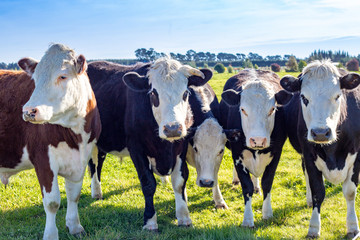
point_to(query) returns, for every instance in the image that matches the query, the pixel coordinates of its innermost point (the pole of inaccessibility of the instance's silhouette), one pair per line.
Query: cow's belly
(69, 163)
(123, 153)
(257, 165)
(336, 176)
(24, 164)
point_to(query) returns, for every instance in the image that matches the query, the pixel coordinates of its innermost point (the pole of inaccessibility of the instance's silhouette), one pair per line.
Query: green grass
(120, 214)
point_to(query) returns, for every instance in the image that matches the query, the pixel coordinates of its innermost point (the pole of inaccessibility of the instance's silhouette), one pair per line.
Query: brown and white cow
(63, 105)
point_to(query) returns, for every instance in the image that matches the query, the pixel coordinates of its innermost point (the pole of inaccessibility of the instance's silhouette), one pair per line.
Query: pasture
(120, 214)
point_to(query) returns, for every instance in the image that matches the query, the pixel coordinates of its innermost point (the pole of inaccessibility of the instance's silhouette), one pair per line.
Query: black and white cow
(255, 98)
(322, 122)
(207, 140)
(145, 110)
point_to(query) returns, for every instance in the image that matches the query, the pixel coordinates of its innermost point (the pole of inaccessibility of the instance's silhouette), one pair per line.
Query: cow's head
(208, 145)
(257, 102)
(62, 87)
(167, 83)
(323, 102)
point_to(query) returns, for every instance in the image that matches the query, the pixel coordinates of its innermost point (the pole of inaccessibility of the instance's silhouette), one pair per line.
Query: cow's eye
(337, 97)
(304, 99)
(185, 95)
(154, 98)
(195, 149)
(244, 112)
(221, 151)
(271, 111)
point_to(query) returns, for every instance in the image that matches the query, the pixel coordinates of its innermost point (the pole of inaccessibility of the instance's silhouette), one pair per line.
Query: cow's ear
(283, 97)
(196, 80)
(136, 82)
(232, 135)
(28, 65)
(231, 97)
(290, 83)
(80, 64)
(350, 81)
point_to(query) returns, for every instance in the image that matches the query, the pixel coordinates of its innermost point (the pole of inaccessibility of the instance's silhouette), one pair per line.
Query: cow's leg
(349, 191)
(164, 179)
(73, 190)
(95, 166)
(308, 191)
(179, 177)
(248, 190)
(51, 198)
(148, 185)
(236, 180)
(318, 194)
(256, 184)
(218, 198)
(266, 184)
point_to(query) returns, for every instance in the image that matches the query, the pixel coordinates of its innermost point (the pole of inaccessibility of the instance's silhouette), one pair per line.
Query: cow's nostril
(313, 134)
(328, 133)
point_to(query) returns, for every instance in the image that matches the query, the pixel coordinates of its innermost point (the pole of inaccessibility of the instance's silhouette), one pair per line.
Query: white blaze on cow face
(322, 100)
(62, 88)
(209, 144)
(169, 96)
(257, 109)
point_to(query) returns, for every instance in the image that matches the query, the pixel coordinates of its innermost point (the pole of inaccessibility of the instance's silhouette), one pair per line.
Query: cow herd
(61, 115)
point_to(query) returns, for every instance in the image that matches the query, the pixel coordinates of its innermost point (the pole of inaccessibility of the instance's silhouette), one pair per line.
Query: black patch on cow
(154, 98)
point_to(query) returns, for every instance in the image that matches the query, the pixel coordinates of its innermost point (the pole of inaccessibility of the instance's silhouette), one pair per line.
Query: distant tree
(200, 56)
(241, 56)
(301, 65)
(173, 56)
(352, 65)
(292, 65)
(275, 67)
(230, 69)
(273, 58)
(256, 66)
(192, 64)
(210, 57)
(248, 64)
(219, 67)
(190, 55)
(286, 57)
(340, 65)
(206, 65)
(180, 57)
(254, 57)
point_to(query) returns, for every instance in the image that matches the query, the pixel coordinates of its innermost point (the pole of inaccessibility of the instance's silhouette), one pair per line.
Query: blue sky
(116, 28)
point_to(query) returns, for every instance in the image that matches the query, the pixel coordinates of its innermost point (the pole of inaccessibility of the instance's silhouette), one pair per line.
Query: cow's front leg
(148, 186)
(349, 191)
(266, 184)
(236, 180)
(218, 198)
(179, 177)
(73, 191)
(51, 198)
(248, 190)
(318, 194)
(95, 166)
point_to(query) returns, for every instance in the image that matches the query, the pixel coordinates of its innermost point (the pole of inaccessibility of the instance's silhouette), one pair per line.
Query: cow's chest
(336, 175)
(255, 163)
(159, 167)
(70, 163)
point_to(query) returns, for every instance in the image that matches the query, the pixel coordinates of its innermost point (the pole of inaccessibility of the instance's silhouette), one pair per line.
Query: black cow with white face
(145, 113)
(252, 102)
(323, 126)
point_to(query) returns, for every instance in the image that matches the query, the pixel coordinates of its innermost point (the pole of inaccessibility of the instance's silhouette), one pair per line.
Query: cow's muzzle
(206, 183)
(29, 114)
(173, 130)
(321, 135)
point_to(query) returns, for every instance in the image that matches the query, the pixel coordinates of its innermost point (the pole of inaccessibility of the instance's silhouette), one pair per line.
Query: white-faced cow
(207, 140)
(145, 110)
(60, 129)
(255, 98)
(322, 122)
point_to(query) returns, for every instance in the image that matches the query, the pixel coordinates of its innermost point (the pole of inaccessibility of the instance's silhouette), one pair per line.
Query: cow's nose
(321, 134)
(258, 142)
(206, 183)
(29, 113)
(172, 130)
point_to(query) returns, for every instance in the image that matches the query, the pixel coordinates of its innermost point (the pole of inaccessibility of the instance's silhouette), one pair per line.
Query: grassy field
(120, 214)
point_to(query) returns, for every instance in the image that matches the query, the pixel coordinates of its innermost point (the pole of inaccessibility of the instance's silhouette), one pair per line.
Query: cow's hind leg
(95, 166)
(73, 190)
(349, 191)
(179, 177)
(236, 180)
